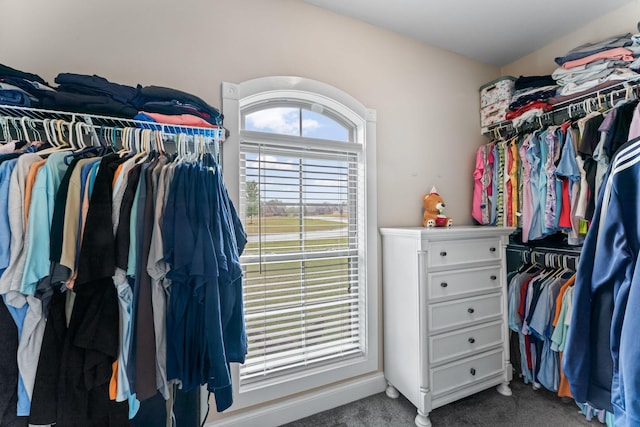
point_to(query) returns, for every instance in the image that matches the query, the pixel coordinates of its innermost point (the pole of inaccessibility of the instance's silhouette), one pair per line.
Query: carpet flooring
(526, 408)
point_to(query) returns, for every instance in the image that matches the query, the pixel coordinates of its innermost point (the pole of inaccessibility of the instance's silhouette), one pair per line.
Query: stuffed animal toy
(434, 211)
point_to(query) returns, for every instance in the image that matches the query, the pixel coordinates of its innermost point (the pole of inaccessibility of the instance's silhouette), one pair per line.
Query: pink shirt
(476, 209)
(180, 119)
(617, 53)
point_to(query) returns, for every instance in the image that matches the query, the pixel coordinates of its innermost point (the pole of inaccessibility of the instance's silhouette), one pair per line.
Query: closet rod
(533, 252)
(16, 113)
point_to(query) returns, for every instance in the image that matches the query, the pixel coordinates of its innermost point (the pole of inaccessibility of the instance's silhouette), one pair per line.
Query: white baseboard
(299, 407)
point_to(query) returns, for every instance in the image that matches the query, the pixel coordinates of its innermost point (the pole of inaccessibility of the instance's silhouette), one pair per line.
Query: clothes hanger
(114, 137)
(57, 137)
(4, 128)
(143, 150)
(125, 150)
(23, 125)
(61, 140)
(158, 140)
(82, 129)
(79, 137)
(17, 129)
(32, 126)
(48, 137)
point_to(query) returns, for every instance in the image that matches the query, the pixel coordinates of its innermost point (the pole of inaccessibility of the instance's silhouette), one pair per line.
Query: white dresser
(445, 319)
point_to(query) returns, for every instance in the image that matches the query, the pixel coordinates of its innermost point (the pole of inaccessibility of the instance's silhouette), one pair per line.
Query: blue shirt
(18, 314)
(43, 195)
(6, 168)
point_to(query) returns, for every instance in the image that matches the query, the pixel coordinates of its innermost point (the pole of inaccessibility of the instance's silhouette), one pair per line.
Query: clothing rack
(542, 255)
(31, 121)
(597, 100)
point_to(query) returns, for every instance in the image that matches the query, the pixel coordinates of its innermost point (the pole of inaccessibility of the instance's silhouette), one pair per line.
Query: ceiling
(492, 31)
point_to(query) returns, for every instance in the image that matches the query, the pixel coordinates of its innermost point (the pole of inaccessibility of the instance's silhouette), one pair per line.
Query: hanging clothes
(557, 177)
(108, 266)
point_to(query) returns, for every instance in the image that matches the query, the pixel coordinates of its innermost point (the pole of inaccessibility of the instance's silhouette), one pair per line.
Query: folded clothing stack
(21, 89)
(80, 93)
(595, 66)
(162, 100)
(530, 98)
(96, 95)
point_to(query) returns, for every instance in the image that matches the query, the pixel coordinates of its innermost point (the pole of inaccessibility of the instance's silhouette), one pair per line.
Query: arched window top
(297, 119)
(297, 107)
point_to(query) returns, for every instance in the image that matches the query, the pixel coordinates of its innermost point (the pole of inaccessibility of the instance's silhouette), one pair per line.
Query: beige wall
(426, 98)
(540, 62)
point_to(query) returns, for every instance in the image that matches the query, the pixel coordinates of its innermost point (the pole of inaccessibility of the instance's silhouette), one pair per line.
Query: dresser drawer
(460, 282)
(460, 374)
(465, 342)
(463, 251)
(458, 313)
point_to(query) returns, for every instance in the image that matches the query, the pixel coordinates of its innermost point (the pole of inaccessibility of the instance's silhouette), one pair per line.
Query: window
(304, 198)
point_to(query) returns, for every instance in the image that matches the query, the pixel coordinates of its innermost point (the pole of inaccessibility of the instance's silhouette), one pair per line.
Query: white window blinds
(303, 208)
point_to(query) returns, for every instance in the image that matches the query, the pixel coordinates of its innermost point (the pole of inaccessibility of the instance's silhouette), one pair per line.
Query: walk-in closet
(319, 213)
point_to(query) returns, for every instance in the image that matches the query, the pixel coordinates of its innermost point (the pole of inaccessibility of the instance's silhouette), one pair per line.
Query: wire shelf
(98, 121)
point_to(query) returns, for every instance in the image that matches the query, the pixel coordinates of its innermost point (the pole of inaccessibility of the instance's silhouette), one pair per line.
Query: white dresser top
(448, 233)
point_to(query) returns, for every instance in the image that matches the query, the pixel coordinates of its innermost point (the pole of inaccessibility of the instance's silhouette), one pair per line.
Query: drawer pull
(470, 310)
(494, 277)
(473, 371)
(443, 253)
(472, 340)
(492, 249)
(444, 284)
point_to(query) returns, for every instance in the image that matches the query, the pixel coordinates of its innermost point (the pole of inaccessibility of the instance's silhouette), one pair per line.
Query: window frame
(244, 98)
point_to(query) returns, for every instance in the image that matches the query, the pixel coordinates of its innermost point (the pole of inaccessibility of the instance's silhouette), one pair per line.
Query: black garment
(590, 169)
(524, 82)
(57, 220)
(619, 131)
(97, 253)
(591, 135)
(542, 95)
(12, 72)
(143, 336)
(75, 366)
(152, 412)
(96, 305)
(95, 85)
(89, 350)
(44, 402)
(90, 104)
(588, 144)
(156, 93)
(9, 370)
(122, 233)
(599, 391)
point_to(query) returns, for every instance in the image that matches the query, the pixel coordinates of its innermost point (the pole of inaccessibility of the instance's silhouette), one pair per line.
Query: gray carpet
(526, 408)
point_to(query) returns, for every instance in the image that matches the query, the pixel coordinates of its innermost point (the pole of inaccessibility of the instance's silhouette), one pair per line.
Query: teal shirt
(37, 264)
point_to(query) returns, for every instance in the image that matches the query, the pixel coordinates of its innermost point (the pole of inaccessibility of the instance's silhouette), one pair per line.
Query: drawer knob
(494, 277)
(443, 253)
(473, 371)
(444, 284)
(472, 340)
(470, 310)
(492, 249)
